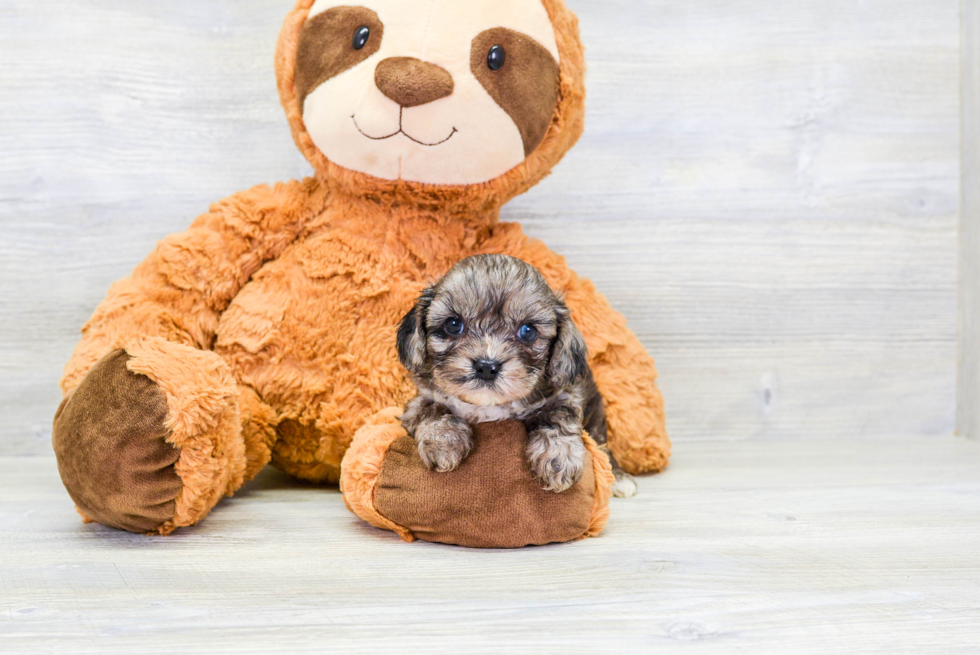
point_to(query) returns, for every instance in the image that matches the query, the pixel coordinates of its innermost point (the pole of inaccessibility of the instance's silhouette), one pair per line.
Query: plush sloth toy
(266, 332)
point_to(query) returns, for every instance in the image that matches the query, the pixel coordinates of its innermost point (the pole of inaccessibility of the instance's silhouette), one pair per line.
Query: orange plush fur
(270, 323)
(364, 461)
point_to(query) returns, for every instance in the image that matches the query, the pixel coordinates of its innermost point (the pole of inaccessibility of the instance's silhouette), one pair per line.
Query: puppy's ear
(569, 354)
(412, 334)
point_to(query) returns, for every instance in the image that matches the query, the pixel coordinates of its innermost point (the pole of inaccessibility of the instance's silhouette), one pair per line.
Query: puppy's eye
(453, 326)
(496, 58)
(527, 333)
(361, 37)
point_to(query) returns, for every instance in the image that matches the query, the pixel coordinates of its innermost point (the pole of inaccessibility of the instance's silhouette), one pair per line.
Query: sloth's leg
(153, 437)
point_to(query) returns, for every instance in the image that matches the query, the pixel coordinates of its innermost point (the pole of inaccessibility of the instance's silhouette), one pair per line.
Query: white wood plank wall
(768, 190)
(968, 409)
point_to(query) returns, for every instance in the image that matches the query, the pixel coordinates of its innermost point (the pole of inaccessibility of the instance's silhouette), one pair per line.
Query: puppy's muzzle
(486, 369)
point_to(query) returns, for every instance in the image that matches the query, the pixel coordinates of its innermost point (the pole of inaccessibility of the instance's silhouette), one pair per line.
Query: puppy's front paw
(444, 442)
(624, 486)
(557, 460)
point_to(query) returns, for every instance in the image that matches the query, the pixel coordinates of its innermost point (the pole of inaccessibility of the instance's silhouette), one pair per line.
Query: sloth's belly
(314, 334)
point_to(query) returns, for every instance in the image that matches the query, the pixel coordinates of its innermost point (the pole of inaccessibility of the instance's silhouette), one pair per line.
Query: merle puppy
(491, 341)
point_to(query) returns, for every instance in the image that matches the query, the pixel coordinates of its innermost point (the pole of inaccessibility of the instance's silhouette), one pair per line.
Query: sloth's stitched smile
(408, 136)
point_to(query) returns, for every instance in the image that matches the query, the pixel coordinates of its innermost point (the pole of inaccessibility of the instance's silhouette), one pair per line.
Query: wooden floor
(741, 547)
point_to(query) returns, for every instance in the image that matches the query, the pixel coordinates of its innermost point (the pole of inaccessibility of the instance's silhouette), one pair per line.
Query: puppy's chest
(519, 410)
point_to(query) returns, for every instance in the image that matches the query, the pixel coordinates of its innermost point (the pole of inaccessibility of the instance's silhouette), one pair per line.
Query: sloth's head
(433, 93)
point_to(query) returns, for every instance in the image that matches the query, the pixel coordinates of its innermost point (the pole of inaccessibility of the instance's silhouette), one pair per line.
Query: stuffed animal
(493, 499)
(265, 332)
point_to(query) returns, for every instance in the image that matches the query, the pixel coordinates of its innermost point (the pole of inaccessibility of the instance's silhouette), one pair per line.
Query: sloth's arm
(179, 292)
(624, 372)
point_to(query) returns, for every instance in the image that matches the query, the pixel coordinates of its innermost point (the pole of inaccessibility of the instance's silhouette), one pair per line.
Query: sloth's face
(436, 91)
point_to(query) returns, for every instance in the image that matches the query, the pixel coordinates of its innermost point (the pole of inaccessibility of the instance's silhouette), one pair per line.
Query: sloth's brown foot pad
(110, 440)
(492, 500)
(151, 439)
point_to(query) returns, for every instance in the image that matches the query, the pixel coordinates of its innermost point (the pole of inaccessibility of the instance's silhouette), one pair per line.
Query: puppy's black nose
(486, 369)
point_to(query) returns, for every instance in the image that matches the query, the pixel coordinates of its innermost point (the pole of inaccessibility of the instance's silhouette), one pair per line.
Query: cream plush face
(409, 90)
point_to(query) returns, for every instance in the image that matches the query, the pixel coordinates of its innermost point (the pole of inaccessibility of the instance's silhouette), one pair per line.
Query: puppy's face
(491, 332)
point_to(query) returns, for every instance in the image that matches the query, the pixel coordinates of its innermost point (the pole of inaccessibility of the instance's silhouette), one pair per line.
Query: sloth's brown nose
(412, 82)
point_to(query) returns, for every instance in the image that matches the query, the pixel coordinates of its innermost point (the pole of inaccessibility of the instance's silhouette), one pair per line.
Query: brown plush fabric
(363, 464)
(110, 440)
(325, 46)
(491, 501)
(527, 85)
(412, 82)
(204, 422)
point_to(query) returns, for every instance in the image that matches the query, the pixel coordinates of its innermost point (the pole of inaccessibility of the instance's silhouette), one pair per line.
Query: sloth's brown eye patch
(521, 76)
(332, 42)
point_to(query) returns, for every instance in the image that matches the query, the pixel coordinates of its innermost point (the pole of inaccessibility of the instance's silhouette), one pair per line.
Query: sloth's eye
(361, 37)
(527, 333)
(453, 326)
(497, 58)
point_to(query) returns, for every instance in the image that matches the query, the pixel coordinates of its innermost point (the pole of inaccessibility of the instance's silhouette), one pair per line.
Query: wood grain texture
(864, 546)
(767, 190)
(968, 407)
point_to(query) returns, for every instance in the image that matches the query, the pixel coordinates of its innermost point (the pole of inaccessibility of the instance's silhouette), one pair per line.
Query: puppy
(491, 341)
